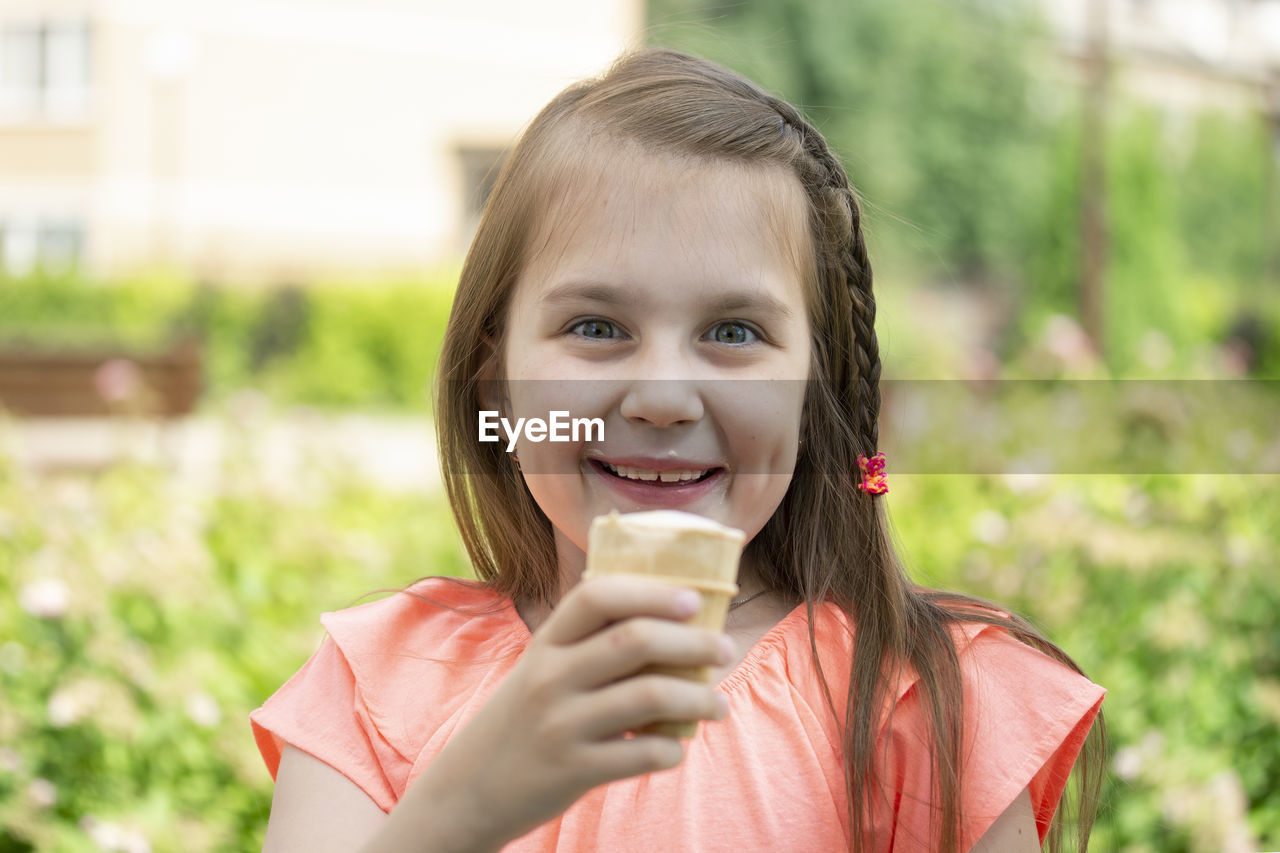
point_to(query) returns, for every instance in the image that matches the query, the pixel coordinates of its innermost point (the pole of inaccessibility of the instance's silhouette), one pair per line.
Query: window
(480, 168)
(18, 246)
(44, 70)
(59, 245)
(55, 245)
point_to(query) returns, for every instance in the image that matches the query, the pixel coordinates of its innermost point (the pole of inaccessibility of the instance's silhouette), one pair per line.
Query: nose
(662, 402)
(664, 391)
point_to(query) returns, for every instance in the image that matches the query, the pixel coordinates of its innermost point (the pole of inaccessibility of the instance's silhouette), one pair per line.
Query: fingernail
(726, 649)
(688, 602)
(722, 704)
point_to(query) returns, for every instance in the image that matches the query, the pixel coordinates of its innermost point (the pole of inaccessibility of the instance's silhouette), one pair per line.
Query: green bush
(143, 621)
(1184, 256)
(64, 309)
(1162, 589)
(330, 345)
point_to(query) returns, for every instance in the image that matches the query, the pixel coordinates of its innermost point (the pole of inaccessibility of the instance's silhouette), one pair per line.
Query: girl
(687, 250)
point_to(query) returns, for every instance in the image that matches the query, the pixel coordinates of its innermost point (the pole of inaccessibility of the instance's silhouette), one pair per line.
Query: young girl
(676, 253)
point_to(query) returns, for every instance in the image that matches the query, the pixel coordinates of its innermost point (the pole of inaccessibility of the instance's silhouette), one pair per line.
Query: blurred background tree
(963, 134)
(932, 105)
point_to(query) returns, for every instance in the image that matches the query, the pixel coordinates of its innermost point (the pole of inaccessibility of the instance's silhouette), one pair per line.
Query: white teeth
(648, 475)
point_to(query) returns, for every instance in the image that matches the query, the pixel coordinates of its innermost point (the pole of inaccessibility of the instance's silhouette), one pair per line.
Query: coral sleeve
(321, 711)
(1026, 717)
(391, 682)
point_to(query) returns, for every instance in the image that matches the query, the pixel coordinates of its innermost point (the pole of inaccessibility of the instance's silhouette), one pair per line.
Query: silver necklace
(745, 599)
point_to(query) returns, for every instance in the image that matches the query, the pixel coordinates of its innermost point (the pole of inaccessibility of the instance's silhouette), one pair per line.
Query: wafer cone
(677, 548)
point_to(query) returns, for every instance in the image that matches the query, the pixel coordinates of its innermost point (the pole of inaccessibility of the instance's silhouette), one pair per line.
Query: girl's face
(667, 300)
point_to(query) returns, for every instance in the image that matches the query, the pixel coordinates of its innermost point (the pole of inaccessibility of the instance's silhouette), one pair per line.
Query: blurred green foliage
(143, 620)
(928, 104)
(960, 127)
(1162, 589)
(330, 344)
(1184, 209)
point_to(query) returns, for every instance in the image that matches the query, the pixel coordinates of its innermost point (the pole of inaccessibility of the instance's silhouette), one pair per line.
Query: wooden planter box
(43, 382)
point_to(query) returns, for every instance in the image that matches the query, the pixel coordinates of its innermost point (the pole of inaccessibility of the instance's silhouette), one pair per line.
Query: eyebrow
(591, 291)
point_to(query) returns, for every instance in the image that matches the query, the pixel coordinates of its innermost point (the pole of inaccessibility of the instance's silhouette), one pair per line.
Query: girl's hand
(554, 728)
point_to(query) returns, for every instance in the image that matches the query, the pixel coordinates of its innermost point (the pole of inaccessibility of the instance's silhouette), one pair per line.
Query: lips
(650, 475)
(667, 486)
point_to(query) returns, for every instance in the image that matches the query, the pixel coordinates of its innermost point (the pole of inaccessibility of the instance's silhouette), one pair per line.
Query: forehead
(710, 217)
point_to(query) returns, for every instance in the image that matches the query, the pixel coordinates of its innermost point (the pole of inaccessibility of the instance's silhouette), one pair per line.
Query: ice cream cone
(677, 548)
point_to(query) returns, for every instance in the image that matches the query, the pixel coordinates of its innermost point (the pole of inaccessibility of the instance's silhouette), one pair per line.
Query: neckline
(740, 673)
(768, 641)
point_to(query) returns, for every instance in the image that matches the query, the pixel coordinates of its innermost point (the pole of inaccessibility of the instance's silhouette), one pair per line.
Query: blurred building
(1183, 55)
(272, 139)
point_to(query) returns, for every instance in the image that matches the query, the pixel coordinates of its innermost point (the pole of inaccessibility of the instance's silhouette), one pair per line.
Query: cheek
(550, 491)
(763, 427)
(526, 398)
(560, 496)
(575, 404)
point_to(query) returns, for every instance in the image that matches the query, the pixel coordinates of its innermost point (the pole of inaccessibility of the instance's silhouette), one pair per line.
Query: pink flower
(42, 793)
(1064, 338)
(45, 598)
(117, 380)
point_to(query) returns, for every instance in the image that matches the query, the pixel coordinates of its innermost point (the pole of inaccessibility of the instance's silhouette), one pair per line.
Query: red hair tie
(873, 480)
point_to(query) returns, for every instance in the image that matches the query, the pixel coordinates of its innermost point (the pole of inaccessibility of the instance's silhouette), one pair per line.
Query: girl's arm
(552, 731)
(1014, 831)
(316, 808)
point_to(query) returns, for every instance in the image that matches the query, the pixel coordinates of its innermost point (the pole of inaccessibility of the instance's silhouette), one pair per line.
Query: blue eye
(595, 329)
(732, 332)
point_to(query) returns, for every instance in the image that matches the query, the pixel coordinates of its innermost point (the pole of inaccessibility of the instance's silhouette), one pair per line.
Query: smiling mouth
(656, 478)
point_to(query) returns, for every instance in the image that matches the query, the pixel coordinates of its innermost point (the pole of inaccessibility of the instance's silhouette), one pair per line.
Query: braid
(844, 253)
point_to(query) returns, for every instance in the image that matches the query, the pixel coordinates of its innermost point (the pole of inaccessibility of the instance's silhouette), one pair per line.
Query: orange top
(396, 678)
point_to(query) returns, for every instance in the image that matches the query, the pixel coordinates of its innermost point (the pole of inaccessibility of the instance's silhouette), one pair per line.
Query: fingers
(634, 703)
(626, 647)
(595, 603)
(620, 757)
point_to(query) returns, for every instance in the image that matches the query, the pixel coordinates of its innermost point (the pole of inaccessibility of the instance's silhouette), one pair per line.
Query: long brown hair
(827, 541)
